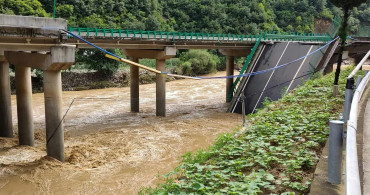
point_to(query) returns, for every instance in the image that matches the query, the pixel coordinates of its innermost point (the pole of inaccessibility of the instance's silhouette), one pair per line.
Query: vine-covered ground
(276, 154)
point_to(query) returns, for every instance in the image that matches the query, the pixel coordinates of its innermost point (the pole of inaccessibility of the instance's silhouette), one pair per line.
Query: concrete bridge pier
(53, 114)
(229, 71)
(134, 86)
(230, 61)
(24, 105)
(160, 81)
(6, 124)
(160, 56)
(59, 58)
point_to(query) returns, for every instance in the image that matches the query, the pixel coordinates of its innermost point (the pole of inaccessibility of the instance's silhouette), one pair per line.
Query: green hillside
(211, 16)
(216, 16)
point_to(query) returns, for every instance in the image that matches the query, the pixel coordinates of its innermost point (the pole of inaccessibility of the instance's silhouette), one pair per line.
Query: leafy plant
(197, 62)
(276, 154)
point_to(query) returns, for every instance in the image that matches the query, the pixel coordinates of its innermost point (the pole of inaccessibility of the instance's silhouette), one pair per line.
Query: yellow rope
(133, 63)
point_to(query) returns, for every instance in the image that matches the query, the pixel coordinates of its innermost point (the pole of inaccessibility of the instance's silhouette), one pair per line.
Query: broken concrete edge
(30, 26)
(32, 22)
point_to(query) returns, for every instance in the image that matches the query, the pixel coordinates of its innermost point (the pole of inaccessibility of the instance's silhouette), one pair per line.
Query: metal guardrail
(133, 34)
(352, 181)
(267, 35)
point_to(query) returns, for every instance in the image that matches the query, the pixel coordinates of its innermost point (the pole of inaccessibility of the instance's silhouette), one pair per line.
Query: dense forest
(216, 16)
(212, 16)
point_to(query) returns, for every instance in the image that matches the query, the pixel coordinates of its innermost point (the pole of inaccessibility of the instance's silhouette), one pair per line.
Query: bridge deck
(257, 88)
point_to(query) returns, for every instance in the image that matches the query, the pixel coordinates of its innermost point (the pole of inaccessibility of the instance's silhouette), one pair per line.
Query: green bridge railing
(134, 34)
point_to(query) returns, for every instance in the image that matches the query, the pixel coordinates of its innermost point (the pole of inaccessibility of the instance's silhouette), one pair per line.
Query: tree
(96, 60)
(252, 28)
(289, 28)
(152, 23)
(347, 6)
(64, 11)
(22, 7)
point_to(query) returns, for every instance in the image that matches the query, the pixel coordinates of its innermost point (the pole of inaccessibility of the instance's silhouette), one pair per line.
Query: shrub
(186, 68)
(200, 62)
(222, 65)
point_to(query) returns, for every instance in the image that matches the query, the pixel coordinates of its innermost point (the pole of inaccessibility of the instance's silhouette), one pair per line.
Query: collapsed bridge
(41, 43)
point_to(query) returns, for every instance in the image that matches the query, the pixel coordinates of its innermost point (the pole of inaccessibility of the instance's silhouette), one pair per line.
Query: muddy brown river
(110, 150)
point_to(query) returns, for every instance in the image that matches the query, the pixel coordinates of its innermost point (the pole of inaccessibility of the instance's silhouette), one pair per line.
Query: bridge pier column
(53, 114)
(134, 86)
(230, 60)
(160, 55)
(229, 71)
(6, 123)
(59, 58)
(160, 88)
(24, 105)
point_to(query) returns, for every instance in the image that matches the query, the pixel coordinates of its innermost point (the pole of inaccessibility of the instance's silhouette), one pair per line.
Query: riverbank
(276, 154)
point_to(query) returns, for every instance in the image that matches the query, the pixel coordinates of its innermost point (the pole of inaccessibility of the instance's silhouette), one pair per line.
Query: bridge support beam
(230, 61)
(160, 56)
(229, 71)
(134, 86)
(160, 88)
(6, 124)
(24, 105)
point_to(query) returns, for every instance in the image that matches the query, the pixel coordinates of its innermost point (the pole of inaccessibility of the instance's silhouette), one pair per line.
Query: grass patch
(277, 154)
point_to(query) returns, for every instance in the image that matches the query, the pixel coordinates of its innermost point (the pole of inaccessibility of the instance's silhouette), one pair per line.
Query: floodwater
(110, 150)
